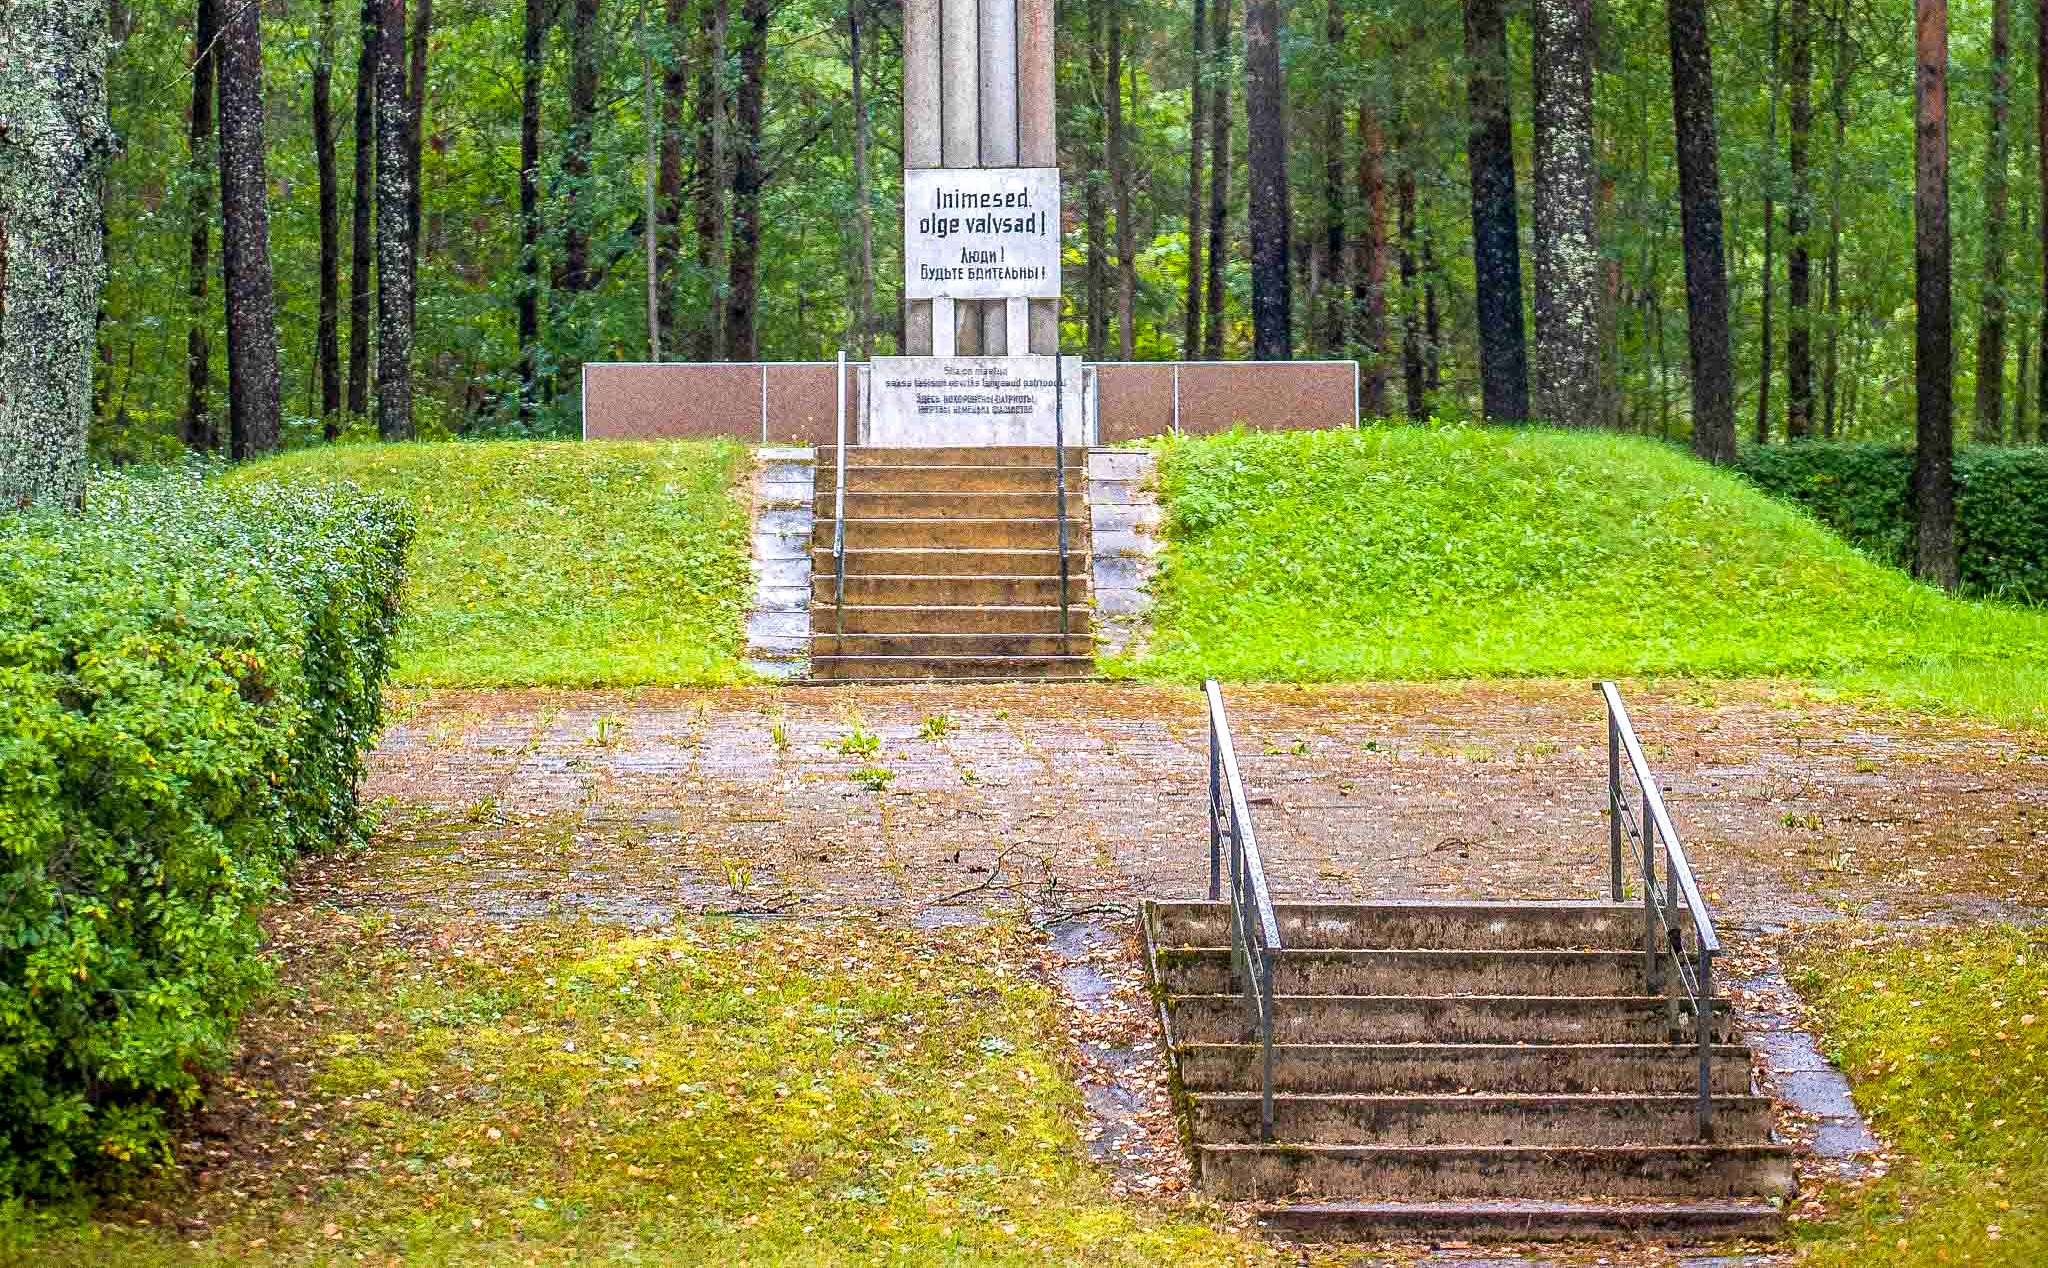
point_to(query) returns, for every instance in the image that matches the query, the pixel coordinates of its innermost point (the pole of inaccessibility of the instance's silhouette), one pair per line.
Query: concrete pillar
(960, 86)
(921, 132)
(1037, 140)
(1045, 326)
(999, 83)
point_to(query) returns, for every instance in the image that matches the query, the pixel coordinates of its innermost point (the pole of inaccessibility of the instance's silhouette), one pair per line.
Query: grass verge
(1452, 551)
(1945, 1039)
(565, 565)
(720, 1092)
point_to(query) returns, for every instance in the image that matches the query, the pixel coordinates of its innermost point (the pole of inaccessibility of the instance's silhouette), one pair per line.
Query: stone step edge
(1368, 1153)
(1185, 950)
(1204, 905)
(1465, 1099)
(1513, 1219)
(1207, 997)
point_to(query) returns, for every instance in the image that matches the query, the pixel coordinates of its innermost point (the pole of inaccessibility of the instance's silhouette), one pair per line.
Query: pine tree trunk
(416, 132)
(394, 205)
(1416, 402)
(1798, 224)
(2041, 175)
(1198, 106)
(1336, 309)
(1830, 423)
(531, 70)
(1369, 269)
(1219, 180)
(709, 160)
(863, 209)
(1766, 347)
(1934, 359)
(255, 400)
(1120, 186)
(1095, 215)
(1706, 268)
(362, 200)
(1989, 425)
(1432, 321)
(576, 273)
(200, 430)
(650, 213)
(54, 143)
(1496, 235)
(328, 337)
(1272, 237)
(743, 299)
(668, 240)
(1567, 371)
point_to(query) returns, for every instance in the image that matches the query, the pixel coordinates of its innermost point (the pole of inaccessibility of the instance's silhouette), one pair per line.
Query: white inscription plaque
(973, 401)
(981, 232)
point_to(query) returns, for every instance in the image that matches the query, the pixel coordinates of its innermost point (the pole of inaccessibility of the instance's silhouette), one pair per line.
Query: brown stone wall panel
(672, 401)
(802, 407)
(1133, 400)
(1266, 396)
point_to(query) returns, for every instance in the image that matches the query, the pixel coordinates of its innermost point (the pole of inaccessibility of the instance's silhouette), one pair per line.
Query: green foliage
(576, 565)
(1945, 1038)
(188, 679)
(1396, 552)
(1865, 493)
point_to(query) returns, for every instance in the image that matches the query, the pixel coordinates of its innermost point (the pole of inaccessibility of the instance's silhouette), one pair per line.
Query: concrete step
(1323, 971)
(916, 591)
(899, 505)
(1526, 1220)
(1005, 668)
(950, 478)
(1441, 1068)
(1514, 1119)
(925, 618)
(1443, 926)
(954, 532)
(952, 455)
(952, 563)
(1411, 1173)
(1504, 1019)
(823, 644)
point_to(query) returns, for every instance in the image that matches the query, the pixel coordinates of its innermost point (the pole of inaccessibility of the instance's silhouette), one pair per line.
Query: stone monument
(981, 238)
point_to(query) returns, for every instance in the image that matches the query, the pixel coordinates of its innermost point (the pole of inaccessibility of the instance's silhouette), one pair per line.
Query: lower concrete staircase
(952, 566)
(1475, 1070)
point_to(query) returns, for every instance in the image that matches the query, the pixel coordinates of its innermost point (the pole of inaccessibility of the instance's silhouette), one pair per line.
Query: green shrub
(1865, 493)
(188, 679)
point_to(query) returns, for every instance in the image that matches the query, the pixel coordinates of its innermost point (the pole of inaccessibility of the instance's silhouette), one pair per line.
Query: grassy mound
(1945, 1036)
(1407, 553)
(573, 565)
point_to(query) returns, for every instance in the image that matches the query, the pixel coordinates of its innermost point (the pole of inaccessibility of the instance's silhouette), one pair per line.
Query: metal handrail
(1254, 932)
(839, 513)
(1059, 479)
(1646, 831)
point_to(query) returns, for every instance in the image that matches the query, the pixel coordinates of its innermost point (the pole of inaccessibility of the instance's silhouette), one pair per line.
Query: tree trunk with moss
(394, 211)
(54, 141)
(1567, 378)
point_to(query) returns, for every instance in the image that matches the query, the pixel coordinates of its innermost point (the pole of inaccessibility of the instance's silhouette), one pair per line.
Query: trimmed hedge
(1864, 492)
(189, 676)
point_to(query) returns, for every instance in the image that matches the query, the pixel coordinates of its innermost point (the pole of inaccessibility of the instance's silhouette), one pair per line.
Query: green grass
(1452, 551)
(1945, 1038)
(720, 1092)
(591, 564)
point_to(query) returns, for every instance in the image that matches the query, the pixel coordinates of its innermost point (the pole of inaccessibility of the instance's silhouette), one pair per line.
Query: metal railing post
(1266, 1043)
(1706, 1040)
(1215, 826)
(1652, 957)
(839, 514)
(1059, 475)
(1616, 887)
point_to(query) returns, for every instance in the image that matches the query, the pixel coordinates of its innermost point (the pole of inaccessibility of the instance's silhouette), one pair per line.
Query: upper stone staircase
(952, 561)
